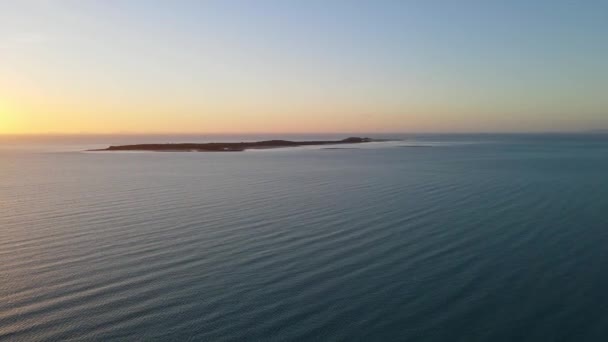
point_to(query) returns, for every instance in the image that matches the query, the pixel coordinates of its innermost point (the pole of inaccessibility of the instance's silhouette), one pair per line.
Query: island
(230, 146)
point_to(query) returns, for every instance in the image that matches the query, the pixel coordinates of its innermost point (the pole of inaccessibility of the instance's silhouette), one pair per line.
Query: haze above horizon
(301, 67)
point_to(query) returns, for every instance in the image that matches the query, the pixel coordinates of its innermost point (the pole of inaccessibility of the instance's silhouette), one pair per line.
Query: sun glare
(7, 121)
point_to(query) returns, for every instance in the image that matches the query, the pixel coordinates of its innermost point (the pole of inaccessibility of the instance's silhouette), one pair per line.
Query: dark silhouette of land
(231, 147)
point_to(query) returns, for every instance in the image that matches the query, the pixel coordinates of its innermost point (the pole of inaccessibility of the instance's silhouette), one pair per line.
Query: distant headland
(232, 146)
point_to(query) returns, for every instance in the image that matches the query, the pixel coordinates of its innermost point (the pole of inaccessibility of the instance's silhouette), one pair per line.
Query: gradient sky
(302, 66)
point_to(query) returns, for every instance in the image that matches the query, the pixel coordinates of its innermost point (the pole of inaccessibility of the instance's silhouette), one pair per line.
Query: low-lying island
(230, 147)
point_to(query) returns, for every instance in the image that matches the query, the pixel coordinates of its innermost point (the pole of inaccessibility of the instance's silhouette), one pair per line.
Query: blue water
(468, 238)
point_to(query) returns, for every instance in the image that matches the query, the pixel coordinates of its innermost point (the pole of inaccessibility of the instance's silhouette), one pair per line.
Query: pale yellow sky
(209, 67)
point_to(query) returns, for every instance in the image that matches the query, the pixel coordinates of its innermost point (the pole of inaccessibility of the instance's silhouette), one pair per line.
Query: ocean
(433, 238)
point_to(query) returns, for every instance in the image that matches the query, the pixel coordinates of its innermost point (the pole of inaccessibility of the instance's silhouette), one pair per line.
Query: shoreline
(230, 146)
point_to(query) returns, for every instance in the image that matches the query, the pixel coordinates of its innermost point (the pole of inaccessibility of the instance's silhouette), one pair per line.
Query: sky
(252, 66)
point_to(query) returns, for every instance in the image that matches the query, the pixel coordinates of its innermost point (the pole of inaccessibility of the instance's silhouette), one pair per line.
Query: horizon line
(51, 134)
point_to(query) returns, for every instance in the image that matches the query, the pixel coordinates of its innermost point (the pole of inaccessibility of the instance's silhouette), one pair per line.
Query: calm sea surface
(463, 238)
